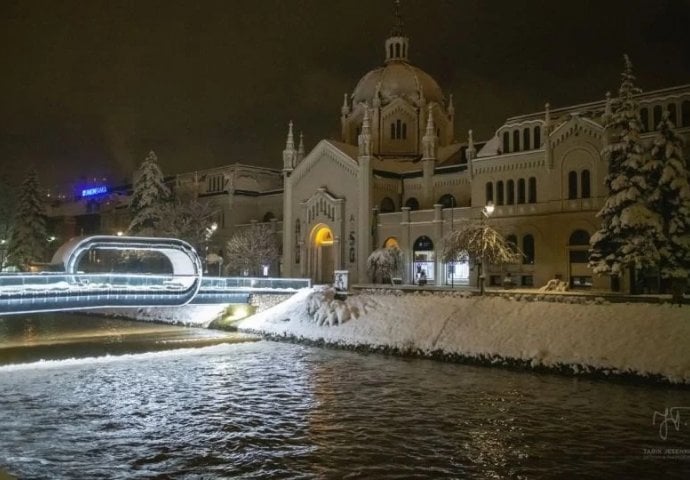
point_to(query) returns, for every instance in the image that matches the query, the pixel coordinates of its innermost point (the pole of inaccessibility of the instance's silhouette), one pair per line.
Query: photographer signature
(670, 415)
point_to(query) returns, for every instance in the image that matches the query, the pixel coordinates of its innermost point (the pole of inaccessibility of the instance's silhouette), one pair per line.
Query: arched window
(387, 205)
(657, 117)
(526, 143)
(528, 249)
(532, 190)
(510, 194)
(644, 117)
(585, 184)
(398, 129)
(572, 184)
(506, 142)
(412, 203)
(448, 201)
(685, 113)
(521, 191)
(579, 237)
(391, 242)
(397, 50)
(673, 113)
(404, 131)
(499, 192)
(390, 50)
(537, 137)
(516, 140)
(489, 192)
(268, 217)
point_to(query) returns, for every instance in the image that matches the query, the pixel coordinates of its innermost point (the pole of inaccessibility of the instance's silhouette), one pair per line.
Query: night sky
(88, 87)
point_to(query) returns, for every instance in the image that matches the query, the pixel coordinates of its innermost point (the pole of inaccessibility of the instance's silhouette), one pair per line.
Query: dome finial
(399, 25)
(397, 43)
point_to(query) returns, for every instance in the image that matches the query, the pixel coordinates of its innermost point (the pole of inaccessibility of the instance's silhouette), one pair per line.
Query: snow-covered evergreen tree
(629, 228)
(7, 199)
(29, 238)
(150, 193)
(670, 197)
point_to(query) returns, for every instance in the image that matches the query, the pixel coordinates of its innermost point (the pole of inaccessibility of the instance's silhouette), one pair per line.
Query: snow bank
(188, 315)
(639, 339)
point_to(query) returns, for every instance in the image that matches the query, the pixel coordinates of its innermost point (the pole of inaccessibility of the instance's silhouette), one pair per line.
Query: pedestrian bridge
(69, 288)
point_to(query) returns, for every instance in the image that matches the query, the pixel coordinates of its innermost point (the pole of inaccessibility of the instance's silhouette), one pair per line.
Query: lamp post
(486, 213)
(452, 267)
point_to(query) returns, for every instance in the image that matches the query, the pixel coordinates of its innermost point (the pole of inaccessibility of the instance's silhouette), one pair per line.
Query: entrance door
(323, 263)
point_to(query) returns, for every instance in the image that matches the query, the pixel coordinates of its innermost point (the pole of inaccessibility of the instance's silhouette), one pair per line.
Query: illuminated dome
(397, 79)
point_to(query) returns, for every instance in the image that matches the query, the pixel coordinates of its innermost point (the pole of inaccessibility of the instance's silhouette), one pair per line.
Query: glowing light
(120, 233)
(93, 191)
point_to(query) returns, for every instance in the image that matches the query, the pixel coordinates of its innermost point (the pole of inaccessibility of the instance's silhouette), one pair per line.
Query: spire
(364, 139)
(289, 152)
(397, 42)
(430, 140)
(547, 118)
(451, 107)
(300, 149)
(345, 110)
(290, 142)
(399, 25)
(470, 153)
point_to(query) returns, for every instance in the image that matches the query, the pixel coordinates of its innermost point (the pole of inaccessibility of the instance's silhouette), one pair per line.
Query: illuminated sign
(93, 191)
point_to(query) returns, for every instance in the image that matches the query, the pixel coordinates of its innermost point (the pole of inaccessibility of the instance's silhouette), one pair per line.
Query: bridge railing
(61, 282)
(254, 283)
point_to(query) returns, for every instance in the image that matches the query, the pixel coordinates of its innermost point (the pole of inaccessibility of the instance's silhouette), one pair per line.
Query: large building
(398, 176)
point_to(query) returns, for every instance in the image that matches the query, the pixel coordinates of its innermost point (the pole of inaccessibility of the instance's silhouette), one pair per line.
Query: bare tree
(249, 249)
(188, 219)
(385, 263)
(480, 243)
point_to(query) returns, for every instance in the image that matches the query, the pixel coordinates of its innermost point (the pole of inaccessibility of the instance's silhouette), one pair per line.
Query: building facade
(398, 177)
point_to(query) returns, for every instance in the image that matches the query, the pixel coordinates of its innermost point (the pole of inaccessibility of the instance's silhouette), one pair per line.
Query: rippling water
(272, 410)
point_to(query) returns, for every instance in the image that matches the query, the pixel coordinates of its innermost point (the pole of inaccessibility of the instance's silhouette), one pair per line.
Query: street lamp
(453, 264)
(486, 213)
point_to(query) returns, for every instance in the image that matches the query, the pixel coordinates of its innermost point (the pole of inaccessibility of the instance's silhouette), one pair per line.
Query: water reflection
(270, 410)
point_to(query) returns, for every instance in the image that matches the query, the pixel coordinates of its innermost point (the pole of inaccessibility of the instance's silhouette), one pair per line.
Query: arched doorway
(423, 254)
(323, 258)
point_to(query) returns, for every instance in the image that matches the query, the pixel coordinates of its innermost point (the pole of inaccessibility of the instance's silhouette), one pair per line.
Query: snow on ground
(641, 339)
(189, 315)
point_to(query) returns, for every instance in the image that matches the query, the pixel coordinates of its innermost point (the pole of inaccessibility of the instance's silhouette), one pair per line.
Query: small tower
(364, 140)
(344, 115)
(429, 144)
(397, 42)
(470, 153)
(300, 149)
(289, 154)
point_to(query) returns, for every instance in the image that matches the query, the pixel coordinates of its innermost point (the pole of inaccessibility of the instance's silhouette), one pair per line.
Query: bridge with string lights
(66, 287)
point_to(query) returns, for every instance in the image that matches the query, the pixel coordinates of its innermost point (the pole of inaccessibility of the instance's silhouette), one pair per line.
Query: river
(83, 397)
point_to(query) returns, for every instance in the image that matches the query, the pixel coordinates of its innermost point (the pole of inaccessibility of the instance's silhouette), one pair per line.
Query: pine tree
(29, 238)
(7, 199)
(629, 228)
(671, 198)
(150, 193)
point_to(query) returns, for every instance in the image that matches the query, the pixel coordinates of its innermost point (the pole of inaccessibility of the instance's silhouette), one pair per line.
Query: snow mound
(588, 335)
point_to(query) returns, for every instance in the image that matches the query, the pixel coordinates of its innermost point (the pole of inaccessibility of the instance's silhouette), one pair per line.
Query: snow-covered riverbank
(595, 336)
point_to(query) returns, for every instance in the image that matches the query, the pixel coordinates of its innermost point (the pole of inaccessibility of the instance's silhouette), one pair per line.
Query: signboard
(340, 280)
(93, 191)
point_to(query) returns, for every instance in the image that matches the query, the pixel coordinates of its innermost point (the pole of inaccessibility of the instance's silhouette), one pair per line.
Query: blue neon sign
(93, 191)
